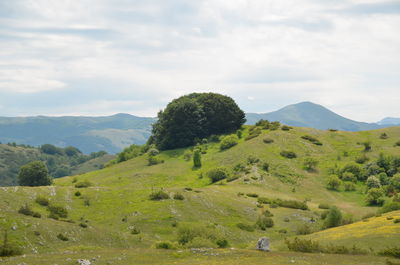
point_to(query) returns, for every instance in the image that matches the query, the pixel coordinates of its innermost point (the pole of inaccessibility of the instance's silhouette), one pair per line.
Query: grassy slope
(121, 192)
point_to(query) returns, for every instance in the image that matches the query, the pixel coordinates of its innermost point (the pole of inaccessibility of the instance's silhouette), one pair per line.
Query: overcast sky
(100, 57)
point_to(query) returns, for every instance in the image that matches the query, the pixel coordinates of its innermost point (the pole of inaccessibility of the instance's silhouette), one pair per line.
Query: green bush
(267, 213)
(158, 195)
(310, 163)
(253, 134)
(303, 229)
(83, 225)
(62, 237)
(42, 201)
(349, 186)
(251, 160)
(362, 159)
(222, 243)
(34, 174)
(348, 176)
(291, 204)
(165, 245)
(265, 166)
(83, 184)
(26, 210)
(78, 193)
(178, 196)
(253, 195)
(268, 140)
(303, 245)
(390, 207)
(152, 160)
(311, 139)
(333, 218)
(324, 206)
(333, 182)
(228, 142)
(153, 152)
(286, 128)
(57, 211)
(217, 174)
(197, 158)
(288, 154)
(391, 252)
(264, 222)
(245, 227)
(8, 249)
(374, 197)
(397, 143)
(396, 221)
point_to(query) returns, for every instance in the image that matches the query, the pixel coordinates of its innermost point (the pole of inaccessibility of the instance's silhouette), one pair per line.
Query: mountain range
(113, 133)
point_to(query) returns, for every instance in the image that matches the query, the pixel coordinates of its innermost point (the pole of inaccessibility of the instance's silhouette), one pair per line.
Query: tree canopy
(34, 174)
(195, 116)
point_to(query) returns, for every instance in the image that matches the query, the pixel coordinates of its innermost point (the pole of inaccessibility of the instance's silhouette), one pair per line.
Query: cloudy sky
(98, 57)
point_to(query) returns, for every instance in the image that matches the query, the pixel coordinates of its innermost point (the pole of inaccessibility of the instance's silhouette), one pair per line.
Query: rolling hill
(112, 219)
(308, 114)
(389, 121)
(88, 134)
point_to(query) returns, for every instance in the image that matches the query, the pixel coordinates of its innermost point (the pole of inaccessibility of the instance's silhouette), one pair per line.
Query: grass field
(117, 203)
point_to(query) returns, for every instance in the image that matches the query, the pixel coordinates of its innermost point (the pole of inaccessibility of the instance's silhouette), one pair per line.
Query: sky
(101, 57)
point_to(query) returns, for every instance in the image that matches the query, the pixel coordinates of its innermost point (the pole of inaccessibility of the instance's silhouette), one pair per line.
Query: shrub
(253, 195)
(291, 204)
(25, 210)
(274, 125)
(348, 176)
(374, 197)
(42, 201)
(396, 221)
(253, 134)
(8, 249)
(62, 237)
(311, 139)
(187, 234)
(217, 174)
(286, 128)
(353, 168)
(362, 159)
(228, 142)
(263, 200)
(152, 160)
(333, 218)
(222, 243)
(245, 227)
(390, 207)
(268, 140)
(165, 245)
(324, 206)
(158, 195)
(333, 182)
(373, 182)
(265, 166)
(303, 229)
(367, 146)
(263, 123)
(288, 154)
(197, 158)
(187, 155)
(178, 196)
(349, 186)
(135, 231)
(267, 213)
(397, 143)
(83, 225)
(303, 245)
(78, 193)
(383, 136)
(264, 222)
(391, 252)
(83, 184)
(252, 160)
(57, 211)
(310, 163)
(153, 152)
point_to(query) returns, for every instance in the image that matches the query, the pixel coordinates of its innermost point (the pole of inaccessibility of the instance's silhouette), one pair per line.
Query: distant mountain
(89, 134)
(308, 114)
(389, 121)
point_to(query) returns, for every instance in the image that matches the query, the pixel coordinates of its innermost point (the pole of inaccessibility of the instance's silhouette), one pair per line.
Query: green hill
(308, 114)
(114, 213)
(13, 156)
(89, 134)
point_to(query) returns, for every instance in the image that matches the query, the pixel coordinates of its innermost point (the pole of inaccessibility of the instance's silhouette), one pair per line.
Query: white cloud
(344, 54)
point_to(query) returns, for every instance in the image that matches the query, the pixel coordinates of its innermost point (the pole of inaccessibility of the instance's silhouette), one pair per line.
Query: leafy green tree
(72, 151)
(195, 116)
(197, 157)
(34, 174)
(333, 182)
(374, 197)
(50, 149)
(229, 141)
(373, 182)
(395, 181)
(333, 218)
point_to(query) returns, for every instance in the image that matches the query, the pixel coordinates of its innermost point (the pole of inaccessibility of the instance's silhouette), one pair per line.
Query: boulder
(263, 244)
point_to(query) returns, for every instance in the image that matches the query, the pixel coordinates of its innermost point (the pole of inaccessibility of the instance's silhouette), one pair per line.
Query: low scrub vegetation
(158, 195)
(288, 154)
(228, 142)
(311, 139)
(309, 246)
(217, 174)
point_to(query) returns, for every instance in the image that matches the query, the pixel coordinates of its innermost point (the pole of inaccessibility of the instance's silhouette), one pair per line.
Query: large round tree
(34, 174)
(196, 115)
